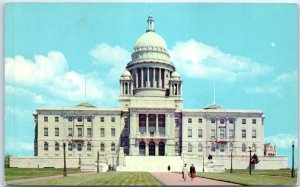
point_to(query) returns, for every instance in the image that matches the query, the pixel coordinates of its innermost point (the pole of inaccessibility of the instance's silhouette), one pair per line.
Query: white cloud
(282, 141)
(198, 60)
(13, 146)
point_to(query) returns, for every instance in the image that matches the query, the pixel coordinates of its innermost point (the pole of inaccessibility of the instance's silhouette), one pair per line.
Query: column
(147, 123)
(142, 77)
(131, 88)
(121, 88)
(154, 81)
(156, 148)
(148, 80)
(167, 124)
(146, 148)
(164, 80)
(159, 77)
(156, 125)
(136, 78)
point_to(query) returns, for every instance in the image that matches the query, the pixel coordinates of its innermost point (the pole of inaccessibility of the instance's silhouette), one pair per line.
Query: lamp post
(203, 165)
(231, 161)
(98, 162)
(250, 160)
(65, 167)
(293, 173)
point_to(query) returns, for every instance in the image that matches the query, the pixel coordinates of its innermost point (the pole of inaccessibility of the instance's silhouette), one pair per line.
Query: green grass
(23, 173)
(109, 178)
(258, 177)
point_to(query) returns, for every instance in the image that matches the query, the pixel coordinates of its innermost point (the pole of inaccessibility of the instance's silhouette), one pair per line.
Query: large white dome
(150, 39)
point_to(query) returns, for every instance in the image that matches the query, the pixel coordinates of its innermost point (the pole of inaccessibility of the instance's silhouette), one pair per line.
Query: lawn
(258, 177)
(22, 173)
(109, 178)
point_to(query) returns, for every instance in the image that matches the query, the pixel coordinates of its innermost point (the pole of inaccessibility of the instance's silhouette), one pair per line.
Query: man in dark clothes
(192, 172)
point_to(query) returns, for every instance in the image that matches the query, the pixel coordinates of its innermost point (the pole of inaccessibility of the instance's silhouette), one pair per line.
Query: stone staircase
(92, 167)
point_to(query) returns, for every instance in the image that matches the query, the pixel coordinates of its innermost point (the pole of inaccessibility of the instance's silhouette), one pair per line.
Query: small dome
(213, 106)
(126, 73)
(175, 74)
(85, 105)
(150, 39)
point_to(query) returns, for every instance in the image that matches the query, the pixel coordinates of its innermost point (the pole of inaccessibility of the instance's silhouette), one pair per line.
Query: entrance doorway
(161, 149)
(142, 149)
(151, 149)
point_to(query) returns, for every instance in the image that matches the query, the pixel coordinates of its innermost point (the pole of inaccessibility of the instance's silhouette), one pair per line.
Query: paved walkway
(176, 180)
(43, 178)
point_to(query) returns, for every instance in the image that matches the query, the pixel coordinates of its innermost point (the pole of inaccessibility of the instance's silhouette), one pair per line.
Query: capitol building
(150, 130)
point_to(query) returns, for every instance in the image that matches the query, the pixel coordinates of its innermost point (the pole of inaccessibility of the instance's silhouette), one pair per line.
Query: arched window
(244, 148)
(213, 147)
(70, 146)
(190, 148)
(254, 147)
(113, 147)
(89, 147)
(199, 147)
(102, 147)
(56, 146)
(46, 146)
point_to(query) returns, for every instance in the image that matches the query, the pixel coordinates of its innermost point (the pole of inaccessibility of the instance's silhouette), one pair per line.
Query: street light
(203, 165)
(293, 145)
(98, 162)
(250, 160)
(231, 161)
(65, 167)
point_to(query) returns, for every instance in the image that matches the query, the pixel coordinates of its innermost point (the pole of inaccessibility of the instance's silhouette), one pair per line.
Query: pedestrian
(192, 172)
(184, 172)
(169, 168)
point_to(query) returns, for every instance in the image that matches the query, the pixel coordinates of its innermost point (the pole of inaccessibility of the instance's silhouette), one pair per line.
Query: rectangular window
(253, 121)
(79, 147)
(70, 147)
(45, 119)
(230, 133)
(79, 119)
(212, 133)
(89, 132)
(253, 133)
(190, 120)
(199, 120)
(190, 133)
(70, 119)
(56, 147)
(89, 119)
(200, 133)
(213, 120)
(56, 119)
(46, 131)
(222, 133)
(101, 119)
(56, 131)
(113, 132)
(243, 121)
(79, 132)
(222, 121)
(113, 119)
(243, 133)
(89, 147)
(70, 132)
(231, 120)
(102, 147)
(102, 132)
(222, 148)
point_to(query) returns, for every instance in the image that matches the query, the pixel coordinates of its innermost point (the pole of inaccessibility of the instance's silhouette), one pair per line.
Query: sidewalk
(42, 178)
(175, 179)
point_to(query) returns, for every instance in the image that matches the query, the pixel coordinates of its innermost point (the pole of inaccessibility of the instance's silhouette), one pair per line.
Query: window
(79, 147)
(253, 121)
(70, 119)
(70, 132)
(243, 121)
(212, 133)
(79, 119)
(56, 131)
(199, 133)
(45, 119)
(231, 133)
(213, 147)
(231, 147)
(243, 133)
(113, 132)
(56, 146)
(199, 148)
(190, 148)
(190, 133)
(89, 147)
(102, 132)
(70, 146)
(89, 132)
(244, 148)
(113, 119)
(89, 119)
(199, 120)
(102, 147)
(222, 121)
(101, 119)
(222, 133)
(113, 147)
(79, 131)
(213, 120)
(231, 120)
(46, 131)
(45, 146)
(222, 148)
(190, 120)
(253, 133)
(254, 147)
(56, 119)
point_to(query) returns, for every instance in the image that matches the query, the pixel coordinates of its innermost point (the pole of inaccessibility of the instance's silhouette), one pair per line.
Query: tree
(7, 160)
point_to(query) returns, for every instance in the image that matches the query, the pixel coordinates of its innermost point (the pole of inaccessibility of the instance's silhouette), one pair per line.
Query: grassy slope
(22, 173)
(110, 178)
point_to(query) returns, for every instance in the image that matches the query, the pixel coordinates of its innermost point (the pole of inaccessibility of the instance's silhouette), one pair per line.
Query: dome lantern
(150, 24)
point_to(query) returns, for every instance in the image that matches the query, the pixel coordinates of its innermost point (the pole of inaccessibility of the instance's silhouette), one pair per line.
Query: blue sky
(250, 50)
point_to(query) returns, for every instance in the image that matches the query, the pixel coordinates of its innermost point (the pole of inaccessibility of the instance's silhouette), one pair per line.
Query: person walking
(169, 168)
(184, 172)
(192, 172)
